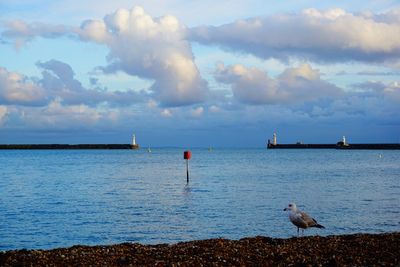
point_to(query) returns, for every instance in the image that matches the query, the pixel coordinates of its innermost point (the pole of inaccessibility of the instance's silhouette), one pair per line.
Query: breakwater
(334, 146)
(68, 146)
(339, 145)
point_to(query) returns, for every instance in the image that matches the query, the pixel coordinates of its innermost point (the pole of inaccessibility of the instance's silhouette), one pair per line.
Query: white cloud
(151, 104)
(23, 32)
(392, 92)
(56, 115)
(333, 35)
(377, 73)
(19, 89)
(294, 85)
(57, 110)
(3, 114)
(389, 91)
(150, 48)
(166, 113)
(214, 109)
(197, 112)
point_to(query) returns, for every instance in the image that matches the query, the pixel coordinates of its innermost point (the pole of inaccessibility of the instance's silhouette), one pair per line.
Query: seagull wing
(298, 220)
(308, 220)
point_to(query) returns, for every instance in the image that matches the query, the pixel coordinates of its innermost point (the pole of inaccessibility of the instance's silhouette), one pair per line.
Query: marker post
(187, 155)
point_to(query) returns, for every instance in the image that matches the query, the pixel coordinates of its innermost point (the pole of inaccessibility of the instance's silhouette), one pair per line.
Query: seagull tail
(315, 224)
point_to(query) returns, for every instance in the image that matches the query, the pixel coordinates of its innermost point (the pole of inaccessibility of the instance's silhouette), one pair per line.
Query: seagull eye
(290, 205)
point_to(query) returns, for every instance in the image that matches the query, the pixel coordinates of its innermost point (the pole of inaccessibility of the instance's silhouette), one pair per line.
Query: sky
(204, 73)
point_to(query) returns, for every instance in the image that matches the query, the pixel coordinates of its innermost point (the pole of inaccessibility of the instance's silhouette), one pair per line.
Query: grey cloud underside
(58, 82)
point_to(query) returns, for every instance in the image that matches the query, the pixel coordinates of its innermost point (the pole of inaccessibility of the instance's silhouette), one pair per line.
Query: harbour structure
(343, 144)
(344, 141)
(273, 140)
(133, 145)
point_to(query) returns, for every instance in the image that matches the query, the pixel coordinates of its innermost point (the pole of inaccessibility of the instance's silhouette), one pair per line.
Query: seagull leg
(298, 231)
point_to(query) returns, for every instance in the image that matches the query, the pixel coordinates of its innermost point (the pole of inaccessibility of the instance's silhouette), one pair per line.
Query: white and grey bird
(301, 219)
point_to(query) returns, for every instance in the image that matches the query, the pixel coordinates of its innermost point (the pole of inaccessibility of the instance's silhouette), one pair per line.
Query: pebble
(344, 250)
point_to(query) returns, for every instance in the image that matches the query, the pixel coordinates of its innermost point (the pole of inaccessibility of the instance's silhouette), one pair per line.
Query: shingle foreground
(344, 250)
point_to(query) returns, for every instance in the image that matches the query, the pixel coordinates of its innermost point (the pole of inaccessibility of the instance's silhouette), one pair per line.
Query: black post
(187, 171)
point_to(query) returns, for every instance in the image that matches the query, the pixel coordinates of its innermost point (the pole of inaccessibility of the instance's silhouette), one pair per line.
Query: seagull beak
(285, 209)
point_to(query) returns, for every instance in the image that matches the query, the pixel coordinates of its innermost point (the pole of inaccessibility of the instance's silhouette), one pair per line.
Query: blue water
(60, 198)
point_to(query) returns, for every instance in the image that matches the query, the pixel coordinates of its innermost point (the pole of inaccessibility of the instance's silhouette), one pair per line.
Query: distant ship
(339, 145)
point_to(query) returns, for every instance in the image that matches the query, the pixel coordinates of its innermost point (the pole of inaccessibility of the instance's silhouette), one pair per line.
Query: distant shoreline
(341, 250)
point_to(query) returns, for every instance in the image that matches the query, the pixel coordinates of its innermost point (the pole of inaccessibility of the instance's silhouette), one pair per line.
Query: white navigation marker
(134, 140)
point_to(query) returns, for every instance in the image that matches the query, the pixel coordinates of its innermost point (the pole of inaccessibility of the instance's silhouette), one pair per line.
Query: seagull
(301, 219)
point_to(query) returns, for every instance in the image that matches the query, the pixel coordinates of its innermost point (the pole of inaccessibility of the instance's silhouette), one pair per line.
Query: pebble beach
(342, 250)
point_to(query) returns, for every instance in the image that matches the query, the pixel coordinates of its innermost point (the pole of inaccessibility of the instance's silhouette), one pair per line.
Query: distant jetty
(133, 145)
(67, 146)
(339, 145)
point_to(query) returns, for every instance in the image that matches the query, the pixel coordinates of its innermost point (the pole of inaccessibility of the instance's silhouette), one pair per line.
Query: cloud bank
(243, 98)
(58, 82)
(325, 36)
(294, 85)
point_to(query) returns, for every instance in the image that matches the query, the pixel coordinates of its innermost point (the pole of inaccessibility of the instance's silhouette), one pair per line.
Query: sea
(60, 198)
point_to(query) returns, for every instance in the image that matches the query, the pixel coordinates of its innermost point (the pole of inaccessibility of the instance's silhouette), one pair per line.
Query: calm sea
(60, 198)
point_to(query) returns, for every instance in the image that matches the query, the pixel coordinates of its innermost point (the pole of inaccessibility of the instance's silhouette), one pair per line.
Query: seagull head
(291, 207)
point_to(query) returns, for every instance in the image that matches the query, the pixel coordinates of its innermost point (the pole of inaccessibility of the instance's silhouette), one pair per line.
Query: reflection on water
(61, 198)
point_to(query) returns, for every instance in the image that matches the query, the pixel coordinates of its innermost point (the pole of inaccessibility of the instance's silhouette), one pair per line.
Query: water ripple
(62, 198)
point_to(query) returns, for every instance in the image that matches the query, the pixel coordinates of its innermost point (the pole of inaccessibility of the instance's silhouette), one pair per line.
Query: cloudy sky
(199, 73)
